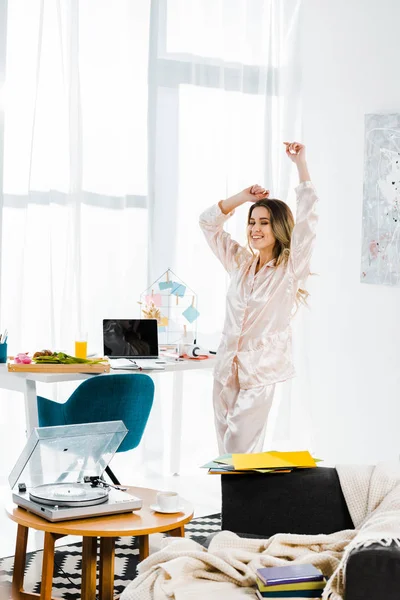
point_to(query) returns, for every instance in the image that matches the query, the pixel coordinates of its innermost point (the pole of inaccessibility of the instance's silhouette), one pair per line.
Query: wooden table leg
(48, 565)
(178, 532)
(89, 556)
(106, 576)
(19, 562)
(143, 547)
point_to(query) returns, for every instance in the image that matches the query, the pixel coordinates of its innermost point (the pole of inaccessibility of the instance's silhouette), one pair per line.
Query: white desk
(26, 384)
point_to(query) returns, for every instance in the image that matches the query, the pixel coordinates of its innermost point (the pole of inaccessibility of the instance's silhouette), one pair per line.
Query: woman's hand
(296, 152)
(256, 193)
(252, 194)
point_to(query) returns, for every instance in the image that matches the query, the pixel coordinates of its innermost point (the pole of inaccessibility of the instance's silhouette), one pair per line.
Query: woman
(255, 350)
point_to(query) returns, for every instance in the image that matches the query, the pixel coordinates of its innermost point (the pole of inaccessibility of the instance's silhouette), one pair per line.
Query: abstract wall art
(380, 258)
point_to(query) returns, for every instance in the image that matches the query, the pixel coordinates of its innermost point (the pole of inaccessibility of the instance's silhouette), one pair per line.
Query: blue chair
(126, 397)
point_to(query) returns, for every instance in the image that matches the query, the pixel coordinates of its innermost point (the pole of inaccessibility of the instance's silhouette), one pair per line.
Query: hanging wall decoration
(174, 305)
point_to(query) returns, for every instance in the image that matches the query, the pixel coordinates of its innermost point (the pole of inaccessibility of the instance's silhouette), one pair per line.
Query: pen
(135, 363)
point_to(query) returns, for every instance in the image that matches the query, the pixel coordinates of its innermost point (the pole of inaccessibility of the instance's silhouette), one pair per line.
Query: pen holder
(3, 353)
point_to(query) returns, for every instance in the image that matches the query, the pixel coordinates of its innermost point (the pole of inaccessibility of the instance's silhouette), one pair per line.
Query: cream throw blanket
(184, 570)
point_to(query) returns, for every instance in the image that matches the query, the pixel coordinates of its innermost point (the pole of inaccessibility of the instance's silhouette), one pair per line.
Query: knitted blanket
(184, 570)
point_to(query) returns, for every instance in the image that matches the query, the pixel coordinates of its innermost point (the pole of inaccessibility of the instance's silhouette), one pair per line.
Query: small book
(289, 574)
(286, 587)
(290, 594)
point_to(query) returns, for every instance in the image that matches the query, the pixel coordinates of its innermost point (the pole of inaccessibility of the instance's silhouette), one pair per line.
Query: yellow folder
(288, 587)
(271, 460)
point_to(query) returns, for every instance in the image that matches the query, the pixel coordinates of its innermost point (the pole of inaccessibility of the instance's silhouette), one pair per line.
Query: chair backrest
(126, 397)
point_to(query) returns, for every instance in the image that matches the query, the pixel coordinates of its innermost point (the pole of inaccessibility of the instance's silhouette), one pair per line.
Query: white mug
(168, 501)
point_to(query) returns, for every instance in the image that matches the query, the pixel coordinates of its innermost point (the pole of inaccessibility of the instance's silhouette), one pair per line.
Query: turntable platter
(69, 494)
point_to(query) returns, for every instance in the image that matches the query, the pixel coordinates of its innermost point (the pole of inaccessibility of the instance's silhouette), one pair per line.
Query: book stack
(261, 462)
(291, 581)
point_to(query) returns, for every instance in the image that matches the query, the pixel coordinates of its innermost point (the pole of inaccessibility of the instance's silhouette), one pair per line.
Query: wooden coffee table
(139, 523)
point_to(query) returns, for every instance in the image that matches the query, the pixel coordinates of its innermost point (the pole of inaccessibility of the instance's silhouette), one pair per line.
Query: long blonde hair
(282, 224)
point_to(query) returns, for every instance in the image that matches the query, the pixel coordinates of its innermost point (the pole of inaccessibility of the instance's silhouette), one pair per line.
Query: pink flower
(22, 358)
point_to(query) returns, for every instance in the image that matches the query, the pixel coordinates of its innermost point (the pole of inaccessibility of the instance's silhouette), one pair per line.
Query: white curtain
(123, 121)
(74, 217)
(224, 93)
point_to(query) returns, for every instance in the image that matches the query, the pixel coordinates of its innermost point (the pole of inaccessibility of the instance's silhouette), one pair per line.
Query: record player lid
(67, 453)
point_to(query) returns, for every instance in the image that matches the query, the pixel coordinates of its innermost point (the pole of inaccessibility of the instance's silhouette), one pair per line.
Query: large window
(76, 97)
(218, 114)
(123, 121)
(74, 247)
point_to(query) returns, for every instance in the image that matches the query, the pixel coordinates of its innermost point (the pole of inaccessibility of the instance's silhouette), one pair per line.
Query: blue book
(289, 574)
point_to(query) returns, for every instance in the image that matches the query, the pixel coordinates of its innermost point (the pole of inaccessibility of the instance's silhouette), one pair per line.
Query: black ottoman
(309, 501)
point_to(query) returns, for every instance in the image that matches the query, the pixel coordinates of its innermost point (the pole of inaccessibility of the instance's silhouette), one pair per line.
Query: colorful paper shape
(156, 298)
(163, 322)
(166, 285)
(162, 329)
(178, 289)
(191, 313)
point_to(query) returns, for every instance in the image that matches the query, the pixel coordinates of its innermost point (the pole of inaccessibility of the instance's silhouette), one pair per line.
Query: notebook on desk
(132, 344)
(132, 364)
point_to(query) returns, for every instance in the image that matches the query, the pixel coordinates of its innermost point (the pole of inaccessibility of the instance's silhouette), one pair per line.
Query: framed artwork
(380, 255)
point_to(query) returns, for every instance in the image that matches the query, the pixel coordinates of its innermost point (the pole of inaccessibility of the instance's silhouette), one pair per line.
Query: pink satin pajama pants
(241, 415)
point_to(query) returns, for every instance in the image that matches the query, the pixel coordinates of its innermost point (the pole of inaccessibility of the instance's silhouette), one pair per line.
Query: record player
(59, 474)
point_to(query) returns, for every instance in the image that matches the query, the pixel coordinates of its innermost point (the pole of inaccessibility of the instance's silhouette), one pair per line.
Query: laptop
(132, 343)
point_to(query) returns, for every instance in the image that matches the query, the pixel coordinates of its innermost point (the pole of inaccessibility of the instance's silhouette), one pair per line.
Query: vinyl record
(69, 494)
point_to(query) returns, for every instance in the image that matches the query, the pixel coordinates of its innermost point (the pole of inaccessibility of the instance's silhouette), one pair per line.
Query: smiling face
(259, 229)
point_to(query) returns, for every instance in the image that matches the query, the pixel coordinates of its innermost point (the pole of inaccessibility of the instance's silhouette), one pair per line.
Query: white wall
(350, 54)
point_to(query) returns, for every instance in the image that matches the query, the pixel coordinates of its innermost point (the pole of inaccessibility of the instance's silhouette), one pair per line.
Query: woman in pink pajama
(255, 352)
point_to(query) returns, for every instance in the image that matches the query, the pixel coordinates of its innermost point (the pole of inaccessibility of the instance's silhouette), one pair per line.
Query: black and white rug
(67, 572)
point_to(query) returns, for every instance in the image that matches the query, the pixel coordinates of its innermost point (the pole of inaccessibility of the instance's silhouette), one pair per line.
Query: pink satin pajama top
(259, 306)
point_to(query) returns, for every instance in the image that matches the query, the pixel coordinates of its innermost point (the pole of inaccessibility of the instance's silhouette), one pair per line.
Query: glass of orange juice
(81, 345)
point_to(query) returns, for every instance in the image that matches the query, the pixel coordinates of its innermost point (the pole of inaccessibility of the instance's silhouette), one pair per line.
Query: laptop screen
(130, 337)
